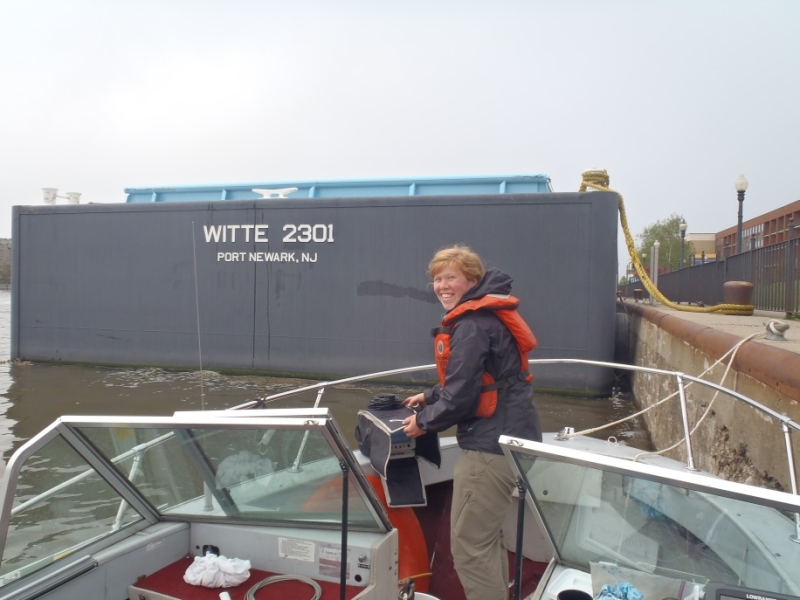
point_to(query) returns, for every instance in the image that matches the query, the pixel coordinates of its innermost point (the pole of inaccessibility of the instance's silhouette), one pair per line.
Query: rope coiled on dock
(597, 179)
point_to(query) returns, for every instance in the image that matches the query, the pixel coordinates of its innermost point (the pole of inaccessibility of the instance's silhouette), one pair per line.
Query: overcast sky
(673, 98)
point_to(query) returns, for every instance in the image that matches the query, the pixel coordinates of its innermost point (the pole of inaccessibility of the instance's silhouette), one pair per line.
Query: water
(33, 395)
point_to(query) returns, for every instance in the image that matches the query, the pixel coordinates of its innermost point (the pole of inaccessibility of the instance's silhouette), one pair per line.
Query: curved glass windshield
(61, 504)
(278, 476)
(661, 536)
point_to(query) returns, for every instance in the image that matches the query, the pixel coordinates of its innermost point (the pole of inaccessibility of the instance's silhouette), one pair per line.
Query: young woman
(485, 389)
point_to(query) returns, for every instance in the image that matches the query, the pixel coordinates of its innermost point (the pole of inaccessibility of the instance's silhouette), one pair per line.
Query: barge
(308, 278)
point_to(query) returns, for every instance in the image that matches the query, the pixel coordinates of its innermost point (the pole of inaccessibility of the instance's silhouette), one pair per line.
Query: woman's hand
(410, 427)
(416, 401)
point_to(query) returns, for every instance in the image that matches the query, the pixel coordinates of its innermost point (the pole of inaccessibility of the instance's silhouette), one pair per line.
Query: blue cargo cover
(347, 188)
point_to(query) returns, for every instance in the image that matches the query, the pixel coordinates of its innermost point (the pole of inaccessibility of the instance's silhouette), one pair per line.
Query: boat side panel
(310, 553)
(122, 564)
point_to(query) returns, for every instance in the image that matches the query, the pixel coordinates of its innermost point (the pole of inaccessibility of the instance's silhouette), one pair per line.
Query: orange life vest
(505, 307)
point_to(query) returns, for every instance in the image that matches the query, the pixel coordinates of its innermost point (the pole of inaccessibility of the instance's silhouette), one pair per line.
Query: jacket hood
(493, 282)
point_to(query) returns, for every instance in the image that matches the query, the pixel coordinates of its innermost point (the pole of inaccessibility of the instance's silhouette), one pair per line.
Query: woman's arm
(459, 398)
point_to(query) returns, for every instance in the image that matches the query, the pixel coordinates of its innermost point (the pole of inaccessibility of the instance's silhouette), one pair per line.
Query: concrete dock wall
(734, 441)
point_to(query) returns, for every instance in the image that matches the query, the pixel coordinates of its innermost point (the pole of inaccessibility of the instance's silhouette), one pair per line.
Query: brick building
(767, 229)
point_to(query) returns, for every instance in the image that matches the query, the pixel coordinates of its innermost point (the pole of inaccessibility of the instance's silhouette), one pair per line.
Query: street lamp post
(741, 187)
(682, 227)
(654, 275)
(789, 266)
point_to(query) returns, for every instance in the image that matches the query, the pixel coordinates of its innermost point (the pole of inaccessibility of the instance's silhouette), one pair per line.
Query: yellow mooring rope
(598, 180)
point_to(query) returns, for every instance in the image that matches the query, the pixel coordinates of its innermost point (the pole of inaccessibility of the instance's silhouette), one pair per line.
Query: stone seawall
(734, 440)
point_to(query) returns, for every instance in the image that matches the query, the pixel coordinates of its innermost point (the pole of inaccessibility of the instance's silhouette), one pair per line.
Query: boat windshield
(92, 479)
(666, 532)
(61, 504)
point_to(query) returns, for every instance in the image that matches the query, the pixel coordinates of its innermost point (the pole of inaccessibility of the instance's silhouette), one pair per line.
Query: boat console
(724, 591)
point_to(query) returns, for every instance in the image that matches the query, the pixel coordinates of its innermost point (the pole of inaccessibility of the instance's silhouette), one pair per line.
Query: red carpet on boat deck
(169, 583)
(435, 521)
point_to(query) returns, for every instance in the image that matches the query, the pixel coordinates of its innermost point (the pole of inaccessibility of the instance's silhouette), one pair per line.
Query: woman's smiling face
(450, 285)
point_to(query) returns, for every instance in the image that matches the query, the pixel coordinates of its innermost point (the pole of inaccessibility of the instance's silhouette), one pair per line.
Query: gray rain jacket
(481, 342)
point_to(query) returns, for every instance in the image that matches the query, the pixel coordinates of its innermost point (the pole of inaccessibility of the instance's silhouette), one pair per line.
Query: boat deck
(168, 584)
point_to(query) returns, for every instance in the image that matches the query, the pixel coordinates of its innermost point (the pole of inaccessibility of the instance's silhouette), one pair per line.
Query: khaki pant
(482, 488)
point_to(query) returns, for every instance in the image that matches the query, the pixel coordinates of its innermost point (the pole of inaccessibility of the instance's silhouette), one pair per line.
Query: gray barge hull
(330, 286)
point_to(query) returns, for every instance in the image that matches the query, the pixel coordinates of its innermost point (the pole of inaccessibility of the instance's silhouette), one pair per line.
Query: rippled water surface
(32, 395)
